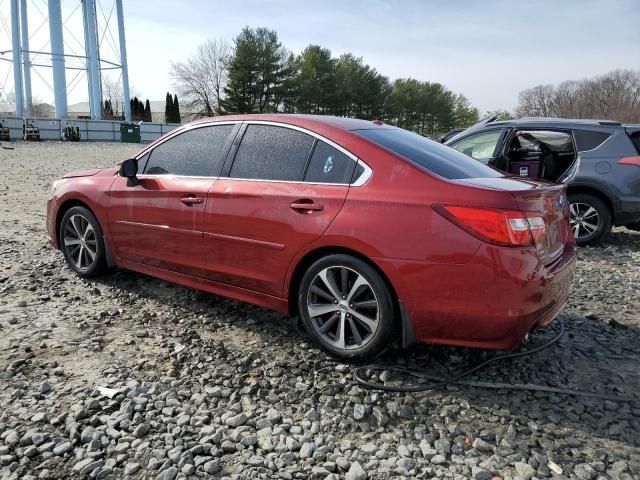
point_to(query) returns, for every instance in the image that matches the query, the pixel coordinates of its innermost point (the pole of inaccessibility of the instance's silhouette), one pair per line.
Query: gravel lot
(212, 387)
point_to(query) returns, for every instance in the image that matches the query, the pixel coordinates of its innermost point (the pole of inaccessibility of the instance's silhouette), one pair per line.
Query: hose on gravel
(438, 382)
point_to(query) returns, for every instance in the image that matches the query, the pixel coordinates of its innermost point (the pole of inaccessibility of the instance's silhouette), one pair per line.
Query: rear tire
(346, 307)
(590, 218)
(82, 243)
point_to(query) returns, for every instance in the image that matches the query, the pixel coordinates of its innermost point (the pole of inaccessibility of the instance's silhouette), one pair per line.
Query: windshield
(435, 157)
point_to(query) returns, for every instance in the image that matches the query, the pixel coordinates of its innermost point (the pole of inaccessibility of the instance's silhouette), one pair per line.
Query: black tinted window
(198, 152)
(433, 156)
(588, 140)
(329, 165)
(272, 153)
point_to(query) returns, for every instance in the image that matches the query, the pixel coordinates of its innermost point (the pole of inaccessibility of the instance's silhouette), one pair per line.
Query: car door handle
(192, 200)
(306, 206)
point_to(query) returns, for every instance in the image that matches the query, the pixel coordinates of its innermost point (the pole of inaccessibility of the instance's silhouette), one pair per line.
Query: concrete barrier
(90, 130)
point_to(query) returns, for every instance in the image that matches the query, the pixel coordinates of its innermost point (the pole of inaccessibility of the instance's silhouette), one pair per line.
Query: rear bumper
(493, 301)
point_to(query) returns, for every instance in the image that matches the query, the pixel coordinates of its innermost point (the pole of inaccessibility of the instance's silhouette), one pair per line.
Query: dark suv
(600, 160)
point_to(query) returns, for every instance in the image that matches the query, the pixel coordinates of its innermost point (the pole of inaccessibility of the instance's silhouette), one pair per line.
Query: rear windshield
(433, 156)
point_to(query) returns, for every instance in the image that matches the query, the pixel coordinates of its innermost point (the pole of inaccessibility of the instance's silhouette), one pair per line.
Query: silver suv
(600, 161)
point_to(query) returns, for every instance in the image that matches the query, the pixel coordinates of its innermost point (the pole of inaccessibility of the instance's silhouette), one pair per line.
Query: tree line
(257, 74)
(613, 96)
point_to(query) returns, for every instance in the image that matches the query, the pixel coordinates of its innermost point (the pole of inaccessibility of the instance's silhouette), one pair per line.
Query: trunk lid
(548, 200)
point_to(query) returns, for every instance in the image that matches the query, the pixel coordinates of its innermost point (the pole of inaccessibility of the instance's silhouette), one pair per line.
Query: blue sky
(488, 50)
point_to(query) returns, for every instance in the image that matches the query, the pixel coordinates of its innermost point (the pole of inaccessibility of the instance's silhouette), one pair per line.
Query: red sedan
(372, 234)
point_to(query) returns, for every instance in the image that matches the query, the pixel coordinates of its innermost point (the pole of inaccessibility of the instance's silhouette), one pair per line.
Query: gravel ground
(211, 387)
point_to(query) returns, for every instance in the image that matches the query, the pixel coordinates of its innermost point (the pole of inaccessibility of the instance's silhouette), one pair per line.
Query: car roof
(301, 120)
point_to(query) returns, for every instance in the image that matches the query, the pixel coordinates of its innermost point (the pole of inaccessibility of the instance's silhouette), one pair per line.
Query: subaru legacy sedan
(373, 235)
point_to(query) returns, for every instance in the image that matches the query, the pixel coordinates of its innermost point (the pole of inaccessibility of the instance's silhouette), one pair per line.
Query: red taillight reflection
(500, 227)
(630, 161)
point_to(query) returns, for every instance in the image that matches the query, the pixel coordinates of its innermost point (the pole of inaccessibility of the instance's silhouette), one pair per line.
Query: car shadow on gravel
(594, 355)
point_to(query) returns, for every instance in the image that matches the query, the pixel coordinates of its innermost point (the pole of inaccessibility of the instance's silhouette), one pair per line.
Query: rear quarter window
(432, 156)
(588, 139)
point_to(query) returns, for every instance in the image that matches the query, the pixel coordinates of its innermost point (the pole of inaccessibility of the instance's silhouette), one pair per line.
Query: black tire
(360, 341)
(78, 256)
(633, 226)
(582, 203)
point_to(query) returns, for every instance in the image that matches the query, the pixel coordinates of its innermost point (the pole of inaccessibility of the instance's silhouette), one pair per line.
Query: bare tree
(201, 79)
(112, 91)
(615, 96)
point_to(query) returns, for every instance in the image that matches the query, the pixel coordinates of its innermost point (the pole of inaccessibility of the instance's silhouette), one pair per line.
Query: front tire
(590, 218)
(82, 243)
(346, 307)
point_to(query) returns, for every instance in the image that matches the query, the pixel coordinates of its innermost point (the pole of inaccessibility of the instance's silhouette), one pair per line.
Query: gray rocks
(212, 466)
(524, 471)
(130, 377)
(356, 472)
(236, 420)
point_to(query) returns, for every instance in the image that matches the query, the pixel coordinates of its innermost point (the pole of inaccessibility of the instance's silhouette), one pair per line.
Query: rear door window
(269, 152)
(481, 146)
(329, 165)
(198, 152)
(435, 157)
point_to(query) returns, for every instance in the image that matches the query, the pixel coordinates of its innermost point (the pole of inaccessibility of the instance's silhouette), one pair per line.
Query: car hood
(91, 172)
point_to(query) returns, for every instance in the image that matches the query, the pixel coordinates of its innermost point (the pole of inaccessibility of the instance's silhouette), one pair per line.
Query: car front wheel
(590, 218)
(81, 242)
(346, 307)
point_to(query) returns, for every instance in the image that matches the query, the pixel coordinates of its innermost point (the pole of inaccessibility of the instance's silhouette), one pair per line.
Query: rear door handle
(306, 206)
(192, 200)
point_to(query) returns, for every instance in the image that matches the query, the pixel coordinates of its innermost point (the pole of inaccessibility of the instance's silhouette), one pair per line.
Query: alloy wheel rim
(584, 220)
(343, 308)
(80, 242)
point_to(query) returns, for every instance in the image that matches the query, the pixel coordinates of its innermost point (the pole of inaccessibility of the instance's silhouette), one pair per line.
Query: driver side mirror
(129, 170)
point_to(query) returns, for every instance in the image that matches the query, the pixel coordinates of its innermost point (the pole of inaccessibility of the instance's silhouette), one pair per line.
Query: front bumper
(493, 301)
(52, 209)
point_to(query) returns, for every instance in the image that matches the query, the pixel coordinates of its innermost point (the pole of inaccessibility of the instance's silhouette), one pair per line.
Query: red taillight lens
(501, 227)
(630, 161)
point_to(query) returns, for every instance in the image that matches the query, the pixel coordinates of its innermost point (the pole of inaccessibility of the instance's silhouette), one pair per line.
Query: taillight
(630, 161)
(508, 228)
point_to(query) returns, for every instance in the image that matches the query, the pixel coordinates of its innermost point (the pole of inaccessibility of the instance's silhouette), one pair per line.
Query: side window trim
(361, 180)
(179, 131)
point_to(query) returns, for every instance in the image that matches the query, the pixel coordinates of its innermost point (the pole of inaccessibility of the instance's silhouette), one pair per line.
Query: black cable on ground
(440, 382)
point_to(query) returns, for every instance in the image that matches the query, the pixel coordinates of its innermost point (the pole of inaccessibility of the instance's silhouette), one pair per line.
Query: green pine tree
(168, 109)
(176, 110)
(147, 111)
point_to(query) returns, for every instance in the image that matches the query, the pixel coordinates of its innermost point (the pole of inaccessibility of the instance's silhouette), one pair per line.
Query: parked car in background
(450, 134)
(371, 233)
(599, 159)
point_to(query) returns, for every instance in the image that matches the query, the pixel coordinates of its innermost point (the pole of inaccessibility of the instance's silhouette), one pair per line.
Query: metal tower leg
(92, 54)
(26, 60)
(123, 62)
(57, 57)
(17, 66)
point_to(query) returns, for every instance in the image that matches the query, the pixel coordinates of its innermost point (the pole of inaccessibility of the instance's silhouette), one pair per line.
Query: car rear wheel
(346, 307)
(590, 218)
(81, 242)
